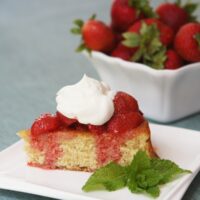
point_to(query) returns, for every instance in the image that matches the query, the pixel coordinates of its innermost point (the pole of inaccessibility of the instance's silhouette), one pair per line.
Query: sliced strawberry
(44, 124)
(65, 120)
(121, 123)
(125, 103)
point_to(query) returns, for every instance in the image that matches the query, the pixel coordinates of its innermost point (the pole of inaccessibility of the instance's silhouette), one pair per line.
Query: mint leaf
(166, 169)
(146, 174)
(140, 162)
(110, 177)
(153, 191)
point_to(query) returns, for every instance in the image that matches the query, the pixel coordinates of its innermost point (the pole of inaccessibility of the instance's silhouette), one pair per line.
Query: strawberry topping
(124, 103)
(44, 124)
(121, 123)
(65, 120)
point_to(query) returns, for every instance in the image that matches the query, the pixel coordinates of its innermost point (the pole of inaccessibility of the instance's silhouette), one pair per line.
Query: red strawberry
(172, 15)
(98, 36)
(125, 103)
(126, 12)
(121, 123)
(166, 33)
(65, 120)
(187, 42)
(123, 52)
(44, 124)
(97, 129)
(122, 15)
(173, 61)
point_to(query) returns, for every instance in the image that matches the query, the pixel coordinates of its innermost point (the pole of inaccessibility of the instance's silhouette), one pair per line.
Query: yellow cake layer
(79, 152)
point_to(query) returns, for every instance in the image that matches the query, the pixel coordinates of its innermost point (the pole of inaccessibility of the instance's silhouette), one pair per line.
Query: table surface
(37, 58)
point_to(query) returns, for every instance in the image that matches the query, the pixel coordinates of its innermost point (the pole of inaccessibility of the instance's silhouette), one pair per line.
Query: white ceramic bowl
(163, 95)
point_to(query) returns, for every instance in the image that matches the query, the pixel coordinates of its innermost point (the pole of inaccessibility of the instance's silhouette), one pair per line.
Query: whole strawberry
(173, 60)
(123, 52)
(125, 12)
(96, 35)
(147, 39)
(166, 33)
(121, 123)
(175, 15)
(187, 42)
(44, 124)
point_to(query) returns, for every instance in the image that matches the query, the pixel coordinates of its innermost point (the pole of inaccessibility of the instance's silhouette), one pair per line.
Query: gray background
(37, 58)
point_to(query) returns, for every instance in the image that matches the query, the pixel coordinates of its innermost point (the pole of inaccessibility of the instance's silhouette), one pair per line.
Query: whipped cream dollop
(89, 101)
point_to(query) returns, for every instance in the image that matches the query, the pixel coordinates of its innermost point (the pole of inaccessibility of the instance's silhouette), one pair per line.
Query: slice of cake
(93, 126)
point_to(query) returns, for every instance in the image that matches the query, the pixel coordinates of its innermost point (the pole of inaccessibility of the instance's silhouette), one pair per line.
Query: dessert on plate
(92, 127)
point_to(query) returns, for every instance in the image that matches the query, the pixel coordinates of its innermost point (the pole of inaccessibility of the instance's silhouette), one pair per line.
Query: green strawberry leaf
(82, 47)
(143, 6)
(93, 17)
(131, 39)
(150, 49)
(197, 38)
(79, 22)
(78, 26)
(190, 8)
(76, 31)
(178, 2)
(111, 177)
(137, 55)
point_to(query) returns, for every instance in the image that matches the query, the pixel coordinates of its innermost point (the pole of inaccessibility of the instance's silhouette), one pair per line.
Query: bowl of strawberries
(153, 54)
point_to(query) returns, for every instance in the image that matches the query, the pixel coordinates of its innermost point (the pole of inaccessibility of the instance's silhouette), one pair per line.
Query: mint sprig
(143, 175)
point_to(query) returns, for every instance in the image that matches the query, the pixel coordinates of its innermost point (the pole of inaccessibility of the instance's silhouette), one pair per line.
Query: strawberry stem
(77, 30)
(197, 38)
(143, 6)
(190, 8)
(150, 49)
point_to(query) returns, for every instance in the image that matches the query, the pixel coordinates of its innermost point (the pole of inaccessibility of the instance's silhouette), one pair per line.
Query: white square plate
(176, 144)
